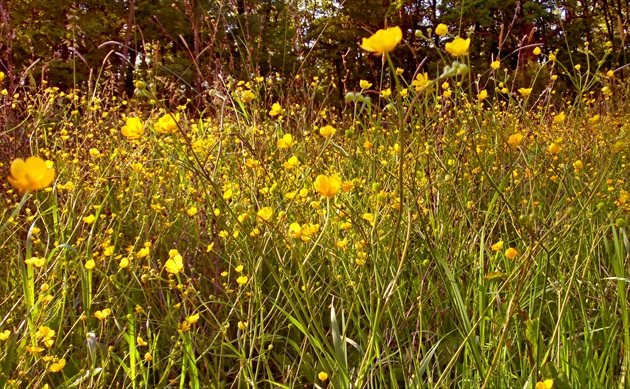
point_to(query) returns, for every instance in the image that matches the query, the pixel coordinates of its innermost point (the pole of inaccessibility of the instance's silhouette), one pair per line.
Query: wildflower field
(432, 231)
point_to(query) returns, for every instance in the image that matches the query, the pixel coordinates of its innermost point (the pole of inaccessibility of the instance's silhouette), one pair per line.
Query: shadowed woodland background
(189, 47)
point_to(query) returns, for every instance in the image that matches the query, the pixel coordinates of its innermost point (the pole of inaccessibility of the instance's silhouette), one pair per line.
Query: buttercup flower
(133, 128)
(497, 246)
(546, 384)
(559, 118)
(422, 79)
(495, 65)
(89, 219)
(57, 366)
(167, 124)
(248, 96)
(4, 335)
(327, 186)
(327, 131)
(441, 29)
(525, 91)
(364, 84)
(515, 139)
(265, 213)
(383, 41)
(285, 142)
(291, 162)
(32, 174)
(511, 253)
(100, 315)
(175, 264)
(553, 148)
(458, 46)
(276, 109)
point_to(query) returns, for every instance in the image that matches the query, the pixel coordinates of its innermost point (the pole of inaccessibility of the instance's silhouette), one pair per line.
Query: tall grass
(476, 242)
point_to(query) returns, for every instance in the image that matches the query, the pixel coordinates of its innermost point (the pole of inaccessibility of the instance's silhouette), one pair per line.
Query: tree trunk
(6, 37)
(127, 66)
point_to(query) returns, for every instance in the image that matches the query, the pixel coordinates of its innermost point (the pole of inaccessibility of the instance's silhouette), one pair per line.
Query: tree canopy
(195, 44)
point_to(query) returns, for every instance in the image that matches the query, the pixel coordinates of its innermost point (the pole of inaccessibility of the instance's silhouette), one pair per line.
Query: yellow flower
(5, 335)
(327, 131)
(347, 186)
(422, 79)
(141, 341)
(247, 96)
(242, 280)
(386, 93)
(458, 46)
(101, 315)
(133, 128)
(525, 91)
(276, 109)
(167, 124)
(559, 118)
(552, 57)
(304, 232)
(515, 139)
(35, 261)
(511, 253)
(186, 324)
(89, 219)
(322, 376)
(32, 174)
(90, 264)
(57, 366)
(295, 230)
(124, 263)
(482, 95)
(364, 84)
(537, 50)
(383, 41)
(265, 213)
(327, 186)
(285, 142)
(546, 384)
(1, 76)
(175, 264)
(148, 357)
(192, 211)
(441, 29)
(497, 246)
(143, 252)
(34, 350)
(553, 148)
(495, 65)
(291, 163)
(578, 165)
(369, 217)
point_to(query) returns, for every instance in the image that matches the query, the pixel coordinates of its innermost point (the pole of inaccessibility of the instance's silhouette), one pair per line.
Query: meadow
(433, 232)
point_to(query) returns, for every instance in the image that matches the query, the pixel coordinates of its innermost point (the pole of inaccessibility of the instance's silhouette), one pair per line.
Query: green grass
(396, 285)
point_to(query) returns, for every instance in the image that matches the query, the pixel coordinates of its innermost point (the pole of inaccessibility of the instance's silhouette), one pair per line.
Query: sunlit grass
(427, 234)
